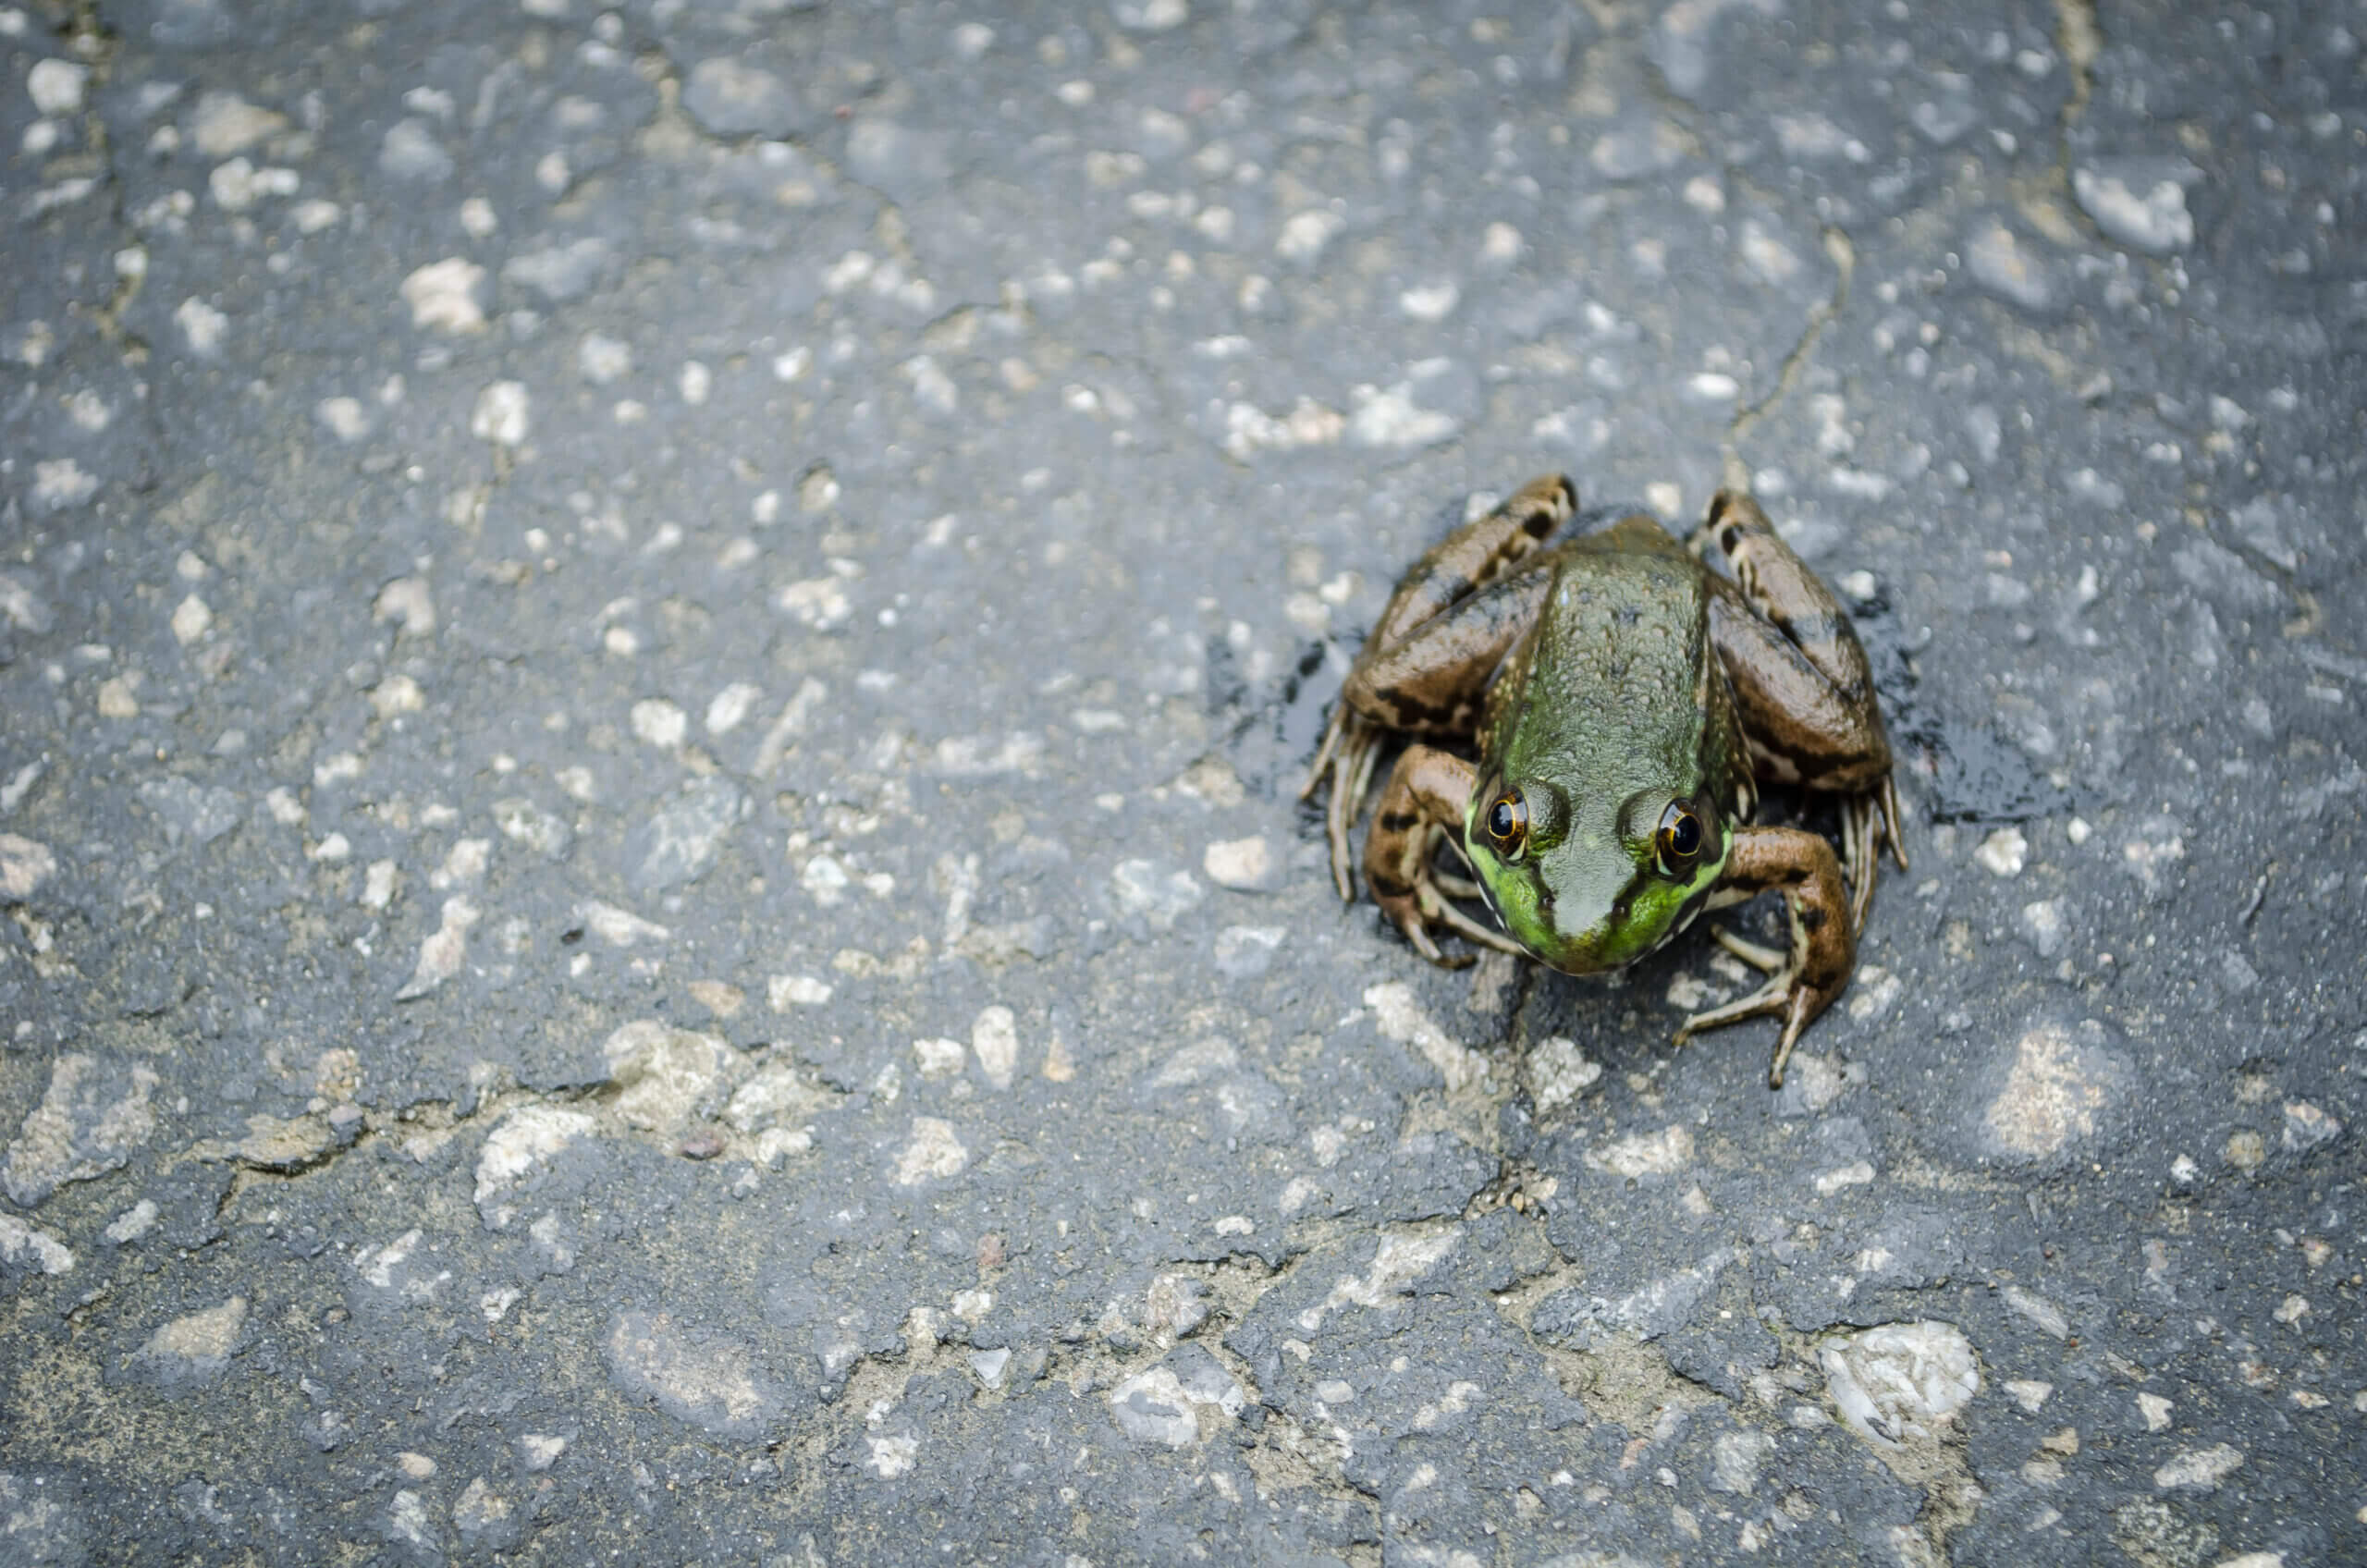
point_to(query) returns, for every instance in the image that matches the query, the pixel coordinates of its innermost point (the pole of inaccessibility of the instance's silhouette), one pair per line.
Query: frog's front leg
(1417, 660)
(1425, 797)
(1823, 949)
(1801, 681)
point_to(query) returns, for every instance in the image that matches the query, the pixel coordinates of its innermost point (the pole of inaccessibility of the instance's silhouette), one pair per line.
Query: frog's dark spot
(1396, 821)
(1729, 537)
(1407, 712)
(1627, 615)
(1811, 919)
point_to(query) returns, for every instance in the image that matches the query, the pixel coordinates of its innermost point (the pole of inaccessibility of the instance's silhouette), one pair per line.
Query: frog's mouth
(1639, 915)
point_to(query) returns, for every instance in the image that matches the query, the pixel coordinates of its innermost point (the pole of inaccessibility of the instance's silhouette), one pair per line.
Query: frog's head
(1587, 886)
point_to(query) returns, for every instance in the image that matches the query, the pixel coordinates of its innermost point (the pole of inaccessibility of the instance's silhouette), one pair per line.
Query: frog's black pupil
(1500, 820)
(1684, 836)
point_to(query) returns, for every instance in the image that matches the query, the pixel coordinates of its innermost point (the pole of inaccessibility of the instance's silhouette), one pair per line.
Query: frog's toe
(1766, 961)
(1406, 913)
(1891, 817)
(1472, 931)
(1862, 859)
(1341, 879)
(1769, 997)
(1805, 1004)
(1785, 994)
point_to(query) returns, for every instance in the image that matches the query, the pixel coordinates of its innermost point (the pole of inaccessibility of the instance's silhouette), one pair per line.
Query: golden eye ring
(1682, 834)
(1506, 822)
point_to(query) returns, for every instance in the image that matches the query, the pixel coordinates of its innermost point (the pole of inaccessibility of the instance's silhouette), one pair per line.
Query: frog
(1589, 713)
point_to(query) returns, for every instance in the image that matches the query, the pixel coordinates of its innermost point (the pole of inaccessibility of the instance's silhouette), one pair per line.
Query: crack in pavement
(1843, 253)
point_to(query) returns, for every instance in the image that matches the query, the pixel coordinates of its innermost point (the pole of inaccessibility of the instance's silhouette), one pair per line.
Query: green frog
(1625, 702)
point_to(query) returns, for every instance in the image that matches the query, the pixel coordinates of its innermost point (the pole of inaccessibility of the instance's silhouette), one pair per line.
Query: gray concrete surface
(654, 662)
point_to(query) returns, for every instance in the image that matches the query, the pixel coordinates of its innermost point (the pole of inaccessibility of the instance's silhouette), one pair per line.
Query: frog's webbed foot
(1766, 961)
(1891, 817)
(1351, 745)
(1782, 994)
(1425, 793)
(1869, 822)
(1804, 980)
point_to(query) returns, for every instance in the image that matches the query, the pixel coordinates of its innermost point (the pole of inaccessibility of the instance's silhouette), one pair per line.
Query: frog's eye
(1507, 822)
(1681, 836)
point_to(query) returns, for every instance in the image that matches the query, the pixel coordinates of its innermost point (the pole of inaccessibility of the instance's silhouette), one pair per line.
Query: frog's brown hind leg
(1801, 681)
(1801, 867)
(1423, 797)
(1471, 559)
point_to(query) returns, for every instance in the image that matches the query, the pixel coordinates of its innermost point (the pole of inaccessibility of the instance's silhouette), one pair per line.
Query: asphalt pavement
(654, 667)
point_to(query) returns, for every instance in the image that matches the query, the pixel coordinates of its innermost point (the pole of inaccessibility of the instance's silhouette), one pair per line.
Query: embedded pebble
(24, 1246)
(1664, 1153)
(22, 605)
(619, 927)
(2140, 203)
(522, 821)
(223, 123)
(132, 1223)
(2198, 1470)
(994, 1038)
(397, 695)
(776, 1095)
(93, 1115)
(55, 86)
(937, 1057)
(677, 844)
(2043, 927)
(2005, 265)
(1168, 1404)
(783, 992)
(934, 1152)
(191, 621)
(1401, 1018)
(1243, 952)
(537, 1452)
(501, 415)
(703, 1378)
(2004, 852)
(1246, 864)
(2060, 1084)
(411, 601)
(2042, 1314)
(732, 99)
(1900, 1381)
(525, 1140)
(192, 1350)
(1159, 895)
(2030, 1393)
(2307, 1126)
(24, 866)
(445, 951)
(1736, 1459)
(444, 296)
(560, 273)
(479, 1512)
(1557, 1071)
(408, 152)
(662, 1072)
(189, 810)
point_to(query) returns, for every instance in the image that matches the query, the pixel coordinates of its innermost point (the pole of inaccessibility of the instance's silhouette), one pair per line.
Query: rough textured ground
(652, 667)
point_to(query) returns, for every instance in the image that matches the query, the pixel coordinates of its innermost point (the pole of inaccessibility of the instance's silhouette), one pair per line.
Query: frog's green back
(1618, 684)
